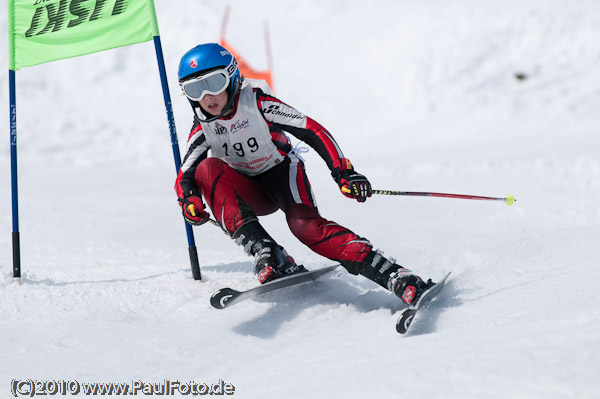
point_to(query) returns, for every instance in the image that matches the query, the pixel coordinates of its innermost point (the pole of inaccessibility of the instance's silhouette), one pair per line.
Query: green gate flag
(47, 30)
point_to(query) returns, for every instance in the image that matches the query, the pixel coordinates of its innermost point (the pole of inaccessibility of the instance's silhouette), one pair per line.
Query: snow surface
(422, 96)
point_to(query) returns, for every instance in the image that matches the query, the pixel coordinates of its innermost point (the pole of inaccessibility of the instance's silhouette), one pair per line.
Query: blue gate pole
(16, 245)
(176, 155)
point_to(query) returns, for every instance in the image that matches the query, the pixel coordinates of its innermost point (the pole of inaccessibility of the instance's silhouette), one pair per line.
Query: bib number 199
(251, 144)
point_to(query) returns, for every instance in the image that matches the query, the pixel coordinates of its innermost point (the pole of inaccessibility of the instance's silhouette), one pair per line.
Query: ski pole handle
(508, 200)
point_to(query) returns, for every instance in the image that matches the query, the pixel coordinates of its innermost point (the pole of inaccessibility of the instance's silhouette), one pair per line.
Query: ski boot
(399, 280)
(271, 261)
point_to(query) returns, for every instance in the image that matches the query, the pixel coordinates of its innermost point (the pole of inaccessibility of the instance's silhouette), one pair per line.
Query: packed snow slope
(422, 96)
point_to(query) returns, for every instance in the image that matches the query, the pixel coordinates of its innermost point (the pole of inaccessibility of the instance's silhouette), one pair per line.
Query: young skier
(253, 171)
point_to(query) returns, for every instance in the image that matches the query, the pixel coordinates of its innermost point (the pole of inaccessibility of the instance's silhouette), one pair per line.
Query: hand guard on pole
(192, 208)
(352, 184)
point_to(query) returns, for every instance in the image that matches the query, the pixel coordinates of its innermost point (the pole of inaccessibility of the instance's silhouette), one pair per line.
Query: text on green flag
(46, 30)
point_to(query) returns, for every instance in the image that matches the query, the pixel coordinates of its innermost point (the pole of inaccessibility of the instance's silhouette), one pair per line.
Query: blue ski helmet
(209, 57)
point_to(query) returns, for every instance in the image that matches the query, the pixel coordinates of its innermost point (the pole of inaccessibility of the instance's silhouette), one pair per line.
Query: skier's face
(214, 105)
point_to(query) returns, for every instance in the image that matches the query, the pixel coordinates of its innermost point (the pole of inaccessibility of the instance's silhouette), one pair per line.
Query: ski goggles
(212, 83)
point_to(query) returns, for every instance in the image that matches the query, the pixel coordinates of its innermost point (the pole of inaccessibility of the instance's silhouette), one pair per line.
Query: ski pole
(508, 200)
(214, 222)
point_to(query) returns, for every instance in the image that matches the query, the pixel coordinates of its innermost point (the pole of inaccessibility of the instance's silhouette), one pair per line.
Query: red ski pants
(235, 199)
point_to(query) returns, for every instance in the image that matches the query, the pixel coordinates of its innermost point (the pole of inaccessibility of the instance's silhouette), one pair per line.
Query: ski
(226, 297)
(407, 315)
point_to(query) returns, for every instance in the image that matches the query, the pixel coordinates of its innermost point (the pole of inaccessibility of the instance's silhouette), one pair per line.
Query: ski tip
(405, 320)
(221, 298)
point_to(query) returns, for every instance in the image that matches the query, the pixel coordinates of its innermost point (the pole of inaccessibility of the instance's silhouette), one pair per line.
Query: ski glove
(192, 208)
(352, 184)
